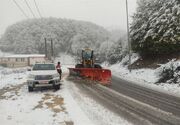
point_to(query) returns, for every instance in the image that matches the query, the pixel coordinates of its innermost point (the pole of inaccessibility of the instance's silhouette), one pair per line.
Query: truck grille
(43, 77)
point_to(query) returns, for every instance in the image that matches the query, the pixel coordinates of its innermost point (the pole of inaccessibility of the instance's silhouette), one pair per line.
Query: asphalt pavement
(146, 95)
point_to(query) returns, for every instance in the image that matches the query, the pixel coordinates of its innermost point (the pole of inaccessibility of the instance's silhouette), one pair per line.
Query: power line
(37, 8)
(20, 9)
(30, 8)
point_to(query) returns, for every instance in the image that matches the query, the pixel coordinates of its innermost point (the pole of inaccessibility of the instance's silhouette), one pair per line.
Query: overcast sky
(106, 13)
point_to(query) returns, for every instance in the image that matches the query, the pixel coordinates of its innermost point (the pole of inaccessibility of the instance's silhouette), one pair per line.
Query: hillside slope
(68, 35)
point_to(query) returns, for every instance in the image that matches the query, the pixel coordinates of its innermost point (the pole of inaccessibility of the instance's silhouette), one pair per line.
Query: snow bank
(145, 77)
(140, 75)
(11, 77)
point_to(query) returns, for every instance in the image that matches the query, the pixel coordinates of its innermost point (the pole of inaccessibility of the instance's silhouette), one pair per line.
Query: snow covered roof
(24, 55)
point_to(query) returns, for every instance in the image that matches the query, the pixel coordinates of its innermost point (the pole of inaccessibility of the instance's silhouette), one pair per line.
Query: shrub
(169, 73)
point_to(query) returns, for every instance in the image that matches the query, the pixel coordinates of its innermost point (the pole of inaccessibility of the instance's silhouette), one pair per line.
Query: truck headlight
(31, 76)
(56, 76)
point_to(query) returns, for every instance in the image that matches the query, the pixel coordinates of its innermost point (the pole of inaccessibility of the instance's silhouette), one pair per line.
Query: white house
(21, 60)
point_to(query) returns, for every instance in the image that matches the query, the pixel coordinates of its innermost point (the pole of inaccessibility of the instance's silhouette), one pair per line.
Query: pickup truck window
(44, 67)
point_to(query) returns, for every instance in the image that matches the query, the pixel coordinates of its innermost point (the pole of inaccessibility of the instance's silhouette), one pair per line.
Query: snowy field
(145, 77)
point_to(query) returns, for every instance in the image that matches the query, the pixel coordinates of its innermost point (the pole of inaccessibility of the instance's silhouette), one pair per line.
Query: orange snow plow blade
(103, 76)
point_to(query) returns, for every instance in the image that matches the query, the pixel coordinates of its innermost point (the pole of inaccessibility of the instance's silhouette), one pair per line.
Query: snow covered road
(162, 101)
(136, 104)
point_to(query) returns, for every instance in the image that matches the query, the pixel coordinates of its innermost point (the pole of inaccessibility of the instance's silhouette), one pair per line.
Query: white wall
(34, 60)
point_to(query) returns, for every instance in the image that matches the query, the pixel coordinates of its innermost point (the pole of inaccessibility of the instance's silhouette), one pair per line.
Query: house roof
(24, 56)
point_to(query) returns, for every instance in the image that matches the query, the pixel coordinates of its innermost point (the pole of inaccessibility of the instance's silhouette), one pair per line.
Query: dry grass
(13, 89)
(52, 102)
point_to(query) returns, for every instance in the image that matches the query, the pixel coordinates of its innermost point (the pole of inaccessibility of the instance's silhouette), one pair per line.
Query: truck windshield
(44, 67)
(87, 54)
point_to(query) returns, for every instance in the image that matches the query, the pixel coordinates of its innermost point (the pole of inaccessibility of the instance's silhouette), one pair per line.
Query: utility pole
(128, 35)
(107, 50)
(49, 55)
(52, 50)
(45, 40)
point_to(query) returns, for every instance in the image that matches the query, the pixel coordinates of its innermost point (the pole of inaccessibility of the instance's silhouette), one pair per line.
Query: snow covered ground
(19, 107)
(68, 106)
(145, 77)
(12, 77)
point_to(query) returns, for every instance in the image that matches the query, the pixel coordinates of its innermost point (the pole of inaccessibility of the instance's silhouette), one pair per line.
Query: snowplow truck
(89, 70)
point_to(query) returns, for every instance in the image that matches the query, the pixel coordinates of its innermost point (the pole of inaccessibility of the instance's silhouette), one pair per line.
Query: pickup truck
(43, 75)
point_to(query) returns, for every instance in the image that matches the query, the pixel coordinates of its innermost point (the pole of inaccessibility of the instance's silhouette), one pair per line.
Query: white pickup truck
(43, 75)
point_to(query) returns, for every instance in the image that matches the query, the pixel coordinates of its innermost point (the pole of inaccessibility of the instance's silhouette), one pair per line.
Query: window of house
(17, 59)
(22, 59)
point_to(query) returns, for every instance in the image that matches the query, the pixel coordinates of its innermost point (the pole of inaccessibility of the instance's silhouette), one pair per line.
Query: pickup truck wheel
(30, 89)
(57, 87)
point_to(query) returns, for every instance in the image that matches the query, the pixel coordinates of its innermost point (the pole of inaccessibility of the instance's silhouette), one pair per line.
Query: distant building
(14, 61)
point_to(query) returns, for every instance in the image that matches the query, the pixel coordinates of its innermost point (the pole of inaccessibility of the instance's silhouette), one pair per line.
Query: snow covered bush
(170, 72)
(104, 49)
(125, 61)
(156, 27)
(116, 53)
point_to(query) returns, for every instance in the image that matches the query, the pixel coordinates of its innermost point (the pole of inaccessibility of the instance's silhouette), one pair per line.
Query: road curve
(154, 98)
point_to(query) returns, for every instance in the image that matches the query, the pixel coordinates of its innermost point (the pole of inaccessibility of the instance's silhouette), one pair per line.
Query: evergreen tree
(156, 27)
(116, 53)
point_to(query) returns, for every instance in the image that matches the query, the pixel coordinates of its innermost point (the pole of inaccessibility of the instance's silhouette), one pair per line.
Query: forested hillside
(68, 35)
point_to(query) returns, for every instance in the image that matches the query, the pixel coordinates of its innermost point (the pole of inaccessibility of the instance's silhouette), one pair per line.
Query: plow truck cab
(89, 70)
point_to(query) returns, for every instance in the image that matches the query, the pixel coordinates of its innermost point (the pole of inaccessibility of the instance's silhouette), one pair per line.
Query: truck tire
(57, 87)
(30, 89)
(97, 66)
(79, 66)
